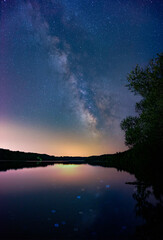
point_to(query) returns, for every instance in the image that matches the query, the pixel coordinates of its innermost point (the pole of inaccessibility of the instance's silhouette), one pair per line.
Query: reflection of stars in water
(80, 212)
(56, 225)
(53, 211)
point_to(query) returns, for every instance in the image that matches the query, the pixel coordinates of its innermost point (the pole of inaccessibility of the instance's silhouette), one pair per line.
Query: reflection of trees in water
(141, 197)
(152, 229)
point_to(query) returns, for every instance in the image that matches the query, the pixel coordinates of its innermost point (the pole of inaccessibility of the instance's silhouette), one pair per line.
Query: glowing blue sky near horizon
(63, 67)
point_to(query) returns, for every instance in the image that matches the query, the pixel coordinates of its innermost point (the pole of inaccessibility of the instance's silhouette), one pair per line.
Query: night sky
(63, 68)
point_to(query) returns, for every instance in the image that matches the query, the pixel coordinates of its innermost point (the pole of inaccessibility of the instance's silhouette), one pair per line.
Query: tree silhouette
(147, 126)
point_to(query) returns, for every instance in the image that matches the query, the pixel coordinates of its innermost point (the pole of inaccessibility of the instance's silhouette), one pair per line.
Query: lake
(68, 202)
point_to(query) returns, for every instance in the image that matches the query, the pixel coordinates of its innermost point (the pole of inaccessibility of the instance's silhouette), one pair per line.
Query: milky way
(63, 67)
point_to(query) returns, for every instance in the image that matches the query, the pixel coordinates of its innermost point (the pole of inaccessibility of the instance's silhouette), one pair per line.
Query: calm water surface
(67, 202)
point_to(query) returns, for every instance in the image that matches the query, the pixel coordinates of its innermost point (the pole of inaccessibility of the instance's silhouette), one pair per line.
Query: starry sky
(63, 68)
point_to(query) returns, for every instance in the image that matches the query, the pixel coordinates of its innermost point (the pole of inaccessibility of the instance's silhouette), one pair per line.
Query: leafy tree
(147, 126)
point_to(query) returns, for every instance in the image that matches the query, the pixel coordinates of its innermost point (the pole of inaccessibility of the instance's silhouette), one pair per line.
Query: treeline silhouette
(6, 154)
(16, 160)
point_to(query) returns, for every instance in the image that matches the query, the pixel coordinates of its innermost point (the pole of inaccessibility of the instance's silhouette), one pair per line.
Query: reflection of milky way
(63, 68)
(69, 199)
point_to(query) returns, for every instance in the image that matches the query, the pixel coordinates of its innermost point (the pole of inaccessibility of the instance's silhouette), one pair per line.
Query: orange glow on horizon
(20, 137)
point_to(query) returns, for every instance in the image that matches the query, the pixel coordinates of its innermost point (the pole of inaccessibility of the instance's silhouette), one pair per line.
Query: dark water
(67, 202)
